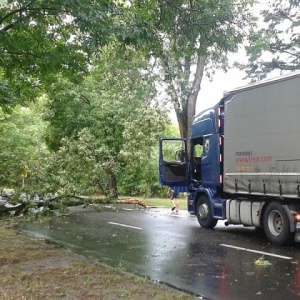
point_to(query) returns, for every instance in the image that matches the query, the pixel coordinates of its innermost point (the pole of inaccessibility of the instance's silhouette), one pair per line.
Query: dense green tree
(21, 149)
(276, 46)
(140, 177)
(42, 38)
(116, 104)
(191, 36)
(80, 166)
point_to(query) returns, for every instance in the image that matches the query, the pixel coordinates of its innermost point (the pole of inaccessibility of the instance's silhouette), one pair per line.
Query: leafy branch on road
(262, 262)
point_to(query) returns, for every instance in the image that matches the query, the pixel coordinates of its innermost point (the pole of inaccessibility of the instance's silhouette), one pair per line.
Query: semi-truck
(242, 162)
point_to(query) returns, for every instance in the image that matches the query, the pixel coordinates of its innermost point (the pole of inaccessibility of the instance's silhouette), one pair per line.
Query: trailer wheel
(276, 224)
(204, 214)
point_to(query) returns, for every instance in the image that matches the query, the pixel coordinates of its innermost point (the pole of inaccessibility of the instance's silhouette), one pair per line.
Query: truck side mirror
(180, 155)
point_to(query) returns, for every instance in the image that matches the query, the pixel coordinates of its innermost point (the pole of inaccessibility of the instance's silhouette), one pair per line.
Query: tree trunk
(186, 114)
(112, 185)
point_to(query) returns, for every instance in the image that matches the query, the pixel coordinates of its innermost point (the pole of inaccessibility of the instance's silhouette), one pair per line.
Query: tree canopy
(99, 63)
(276, 46)
(21, 145)
(191, 36)
(114, 109)
(40, 39)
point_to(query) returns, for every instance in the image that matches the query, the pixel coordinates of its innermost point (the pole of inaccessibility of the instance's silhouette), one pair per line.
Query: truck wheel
(276, 224)
(204, 214)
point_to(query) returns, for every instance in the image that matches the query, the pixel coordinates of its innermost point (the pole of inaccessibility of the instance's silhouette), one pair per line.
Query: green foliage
(38, 40)
(105, 126)
(277, 45)
(43, 38)
(140, 176)
(262, 262)
(20, 151)
(79, 166)
(103, 131)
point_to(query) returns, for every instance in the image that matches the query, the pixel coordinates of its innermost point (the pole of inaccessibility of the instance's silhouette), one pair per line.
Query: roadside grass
(32, 269)
(165, 202)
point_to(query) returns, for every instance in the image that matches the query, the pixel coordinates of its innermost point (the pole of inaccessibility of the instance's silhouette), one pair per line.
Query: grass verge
(165, 202)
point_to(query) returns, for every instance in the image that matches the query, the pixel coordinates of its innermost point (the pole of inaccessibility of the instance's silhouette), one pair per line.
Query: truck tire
(204, 214)
(276, 224)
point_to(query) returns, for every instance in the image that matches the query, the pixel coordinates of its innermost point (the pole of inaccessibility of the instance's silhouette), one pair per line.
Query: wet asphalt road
(171, 248)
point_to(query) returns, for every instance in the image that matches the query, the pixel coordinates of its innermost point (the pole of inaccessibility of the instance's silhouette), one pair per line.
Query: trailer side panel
(262, 139)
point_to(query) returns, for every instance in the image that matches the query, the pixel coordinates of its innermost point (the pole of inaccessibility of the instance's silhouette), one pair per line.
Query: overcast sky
(212, 91)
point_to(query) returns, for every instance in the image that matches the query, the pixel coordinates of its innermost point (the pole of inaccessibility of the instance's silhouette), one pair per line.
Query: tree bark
(186, 113)
(112, 185)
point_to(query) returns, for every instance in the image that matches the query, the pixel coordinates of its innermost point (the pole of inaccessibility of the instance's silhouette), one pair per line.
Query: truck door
(173, 165)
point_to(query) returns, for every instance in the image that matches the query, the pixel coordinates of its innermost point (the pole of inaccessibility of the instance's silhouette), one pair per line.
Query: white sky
(212, 91)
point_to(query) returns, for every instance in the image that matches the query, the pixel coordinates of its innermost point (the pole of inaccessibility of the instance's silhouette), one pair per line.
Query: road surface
(172, 248)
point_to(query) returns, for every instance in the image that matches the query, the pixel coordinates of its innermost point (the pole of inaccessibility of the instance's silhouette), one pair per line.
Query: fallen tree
(26, 204)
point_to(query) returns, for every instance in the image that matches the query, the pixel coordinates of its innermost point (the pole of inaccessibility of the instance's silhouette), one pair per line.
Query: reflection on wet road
(215, 264)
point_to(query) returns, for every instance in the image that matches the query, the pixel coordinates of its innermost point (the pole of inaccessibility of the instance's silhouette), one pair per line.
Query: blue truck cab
(201, 172)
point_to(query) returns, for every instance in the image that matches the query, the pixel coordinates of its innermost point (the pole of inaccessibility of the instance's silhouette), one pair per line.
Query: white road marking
(124, 225)
(255, 251)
